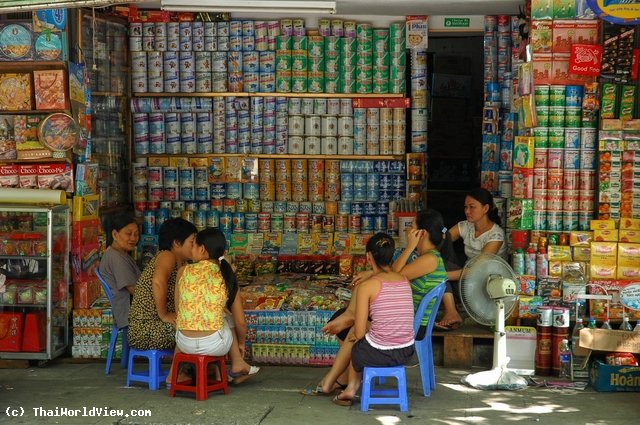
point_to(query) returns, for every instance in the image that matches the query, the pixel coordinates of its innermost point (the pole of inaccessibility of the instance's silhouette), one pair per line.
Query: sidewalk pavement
(273, 397)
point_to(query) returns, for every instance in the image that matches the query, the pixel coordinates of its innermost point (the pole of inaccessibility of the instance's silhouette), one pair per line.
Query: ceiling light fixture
(12, 6)
(251, 6)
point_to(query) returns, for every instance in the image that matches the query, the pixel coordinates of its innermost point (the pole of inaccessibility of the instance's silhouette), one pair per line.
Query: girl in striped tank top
(384, 298)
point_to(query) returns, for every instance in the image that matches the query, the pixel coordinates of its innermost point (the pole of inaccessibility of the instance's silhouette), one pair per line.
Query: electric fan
(488, 292)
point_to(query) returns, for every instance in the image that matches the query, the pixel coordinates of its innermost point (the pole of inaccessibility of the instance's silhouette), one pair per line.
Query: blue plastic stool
(154, 375)
(371, 395)
(114, 332)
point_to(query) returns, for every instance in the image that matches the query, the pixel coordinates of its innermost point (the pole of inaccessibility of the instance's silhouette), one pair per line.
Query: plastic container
(565, 359)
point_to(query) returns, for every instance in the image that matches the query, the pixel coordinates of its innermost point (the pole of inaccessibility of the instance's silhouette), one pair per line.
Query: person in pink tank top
(385, 299)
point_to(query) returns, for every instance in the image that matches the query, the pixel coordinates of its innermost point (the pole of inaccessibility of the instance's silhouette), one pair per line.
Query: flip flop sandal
(342, 402)
(447, 328)
(317, 391)
(241, 377)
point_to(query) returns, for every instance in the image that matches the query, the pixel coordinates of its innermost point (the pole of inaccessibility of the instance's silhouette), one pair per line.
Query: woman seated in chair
(118, 269)
(386, 300)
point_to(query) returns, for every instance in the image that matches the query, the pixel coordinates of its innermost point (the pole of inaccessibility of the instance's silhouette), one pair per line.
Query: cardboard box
(607, 378)
(630, 224)
(631, 236)
(610, 340)
(602, 224)
(605, 235)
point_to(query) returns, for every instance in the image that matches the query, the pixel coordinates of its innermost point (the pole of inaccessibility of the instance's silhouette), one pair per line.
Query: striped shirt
(391, 313)
(425, 283)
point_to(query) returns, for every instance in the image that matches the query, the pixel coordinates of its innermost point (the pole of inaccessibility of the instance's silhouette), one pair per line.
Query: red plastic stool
(203, 385)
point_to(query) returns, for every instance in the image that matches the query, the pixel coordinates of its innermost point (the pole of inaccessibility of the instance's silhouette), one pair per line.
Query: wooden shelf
(26, 161)
(107, 94)
(275, 156)
(35, 112)
(275, 94)
(27, 66)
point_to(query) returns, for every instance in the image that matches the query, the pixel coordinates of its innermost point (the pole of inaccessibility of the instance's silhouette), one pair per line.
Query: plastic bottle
(637, 328)
(605, 324)
(565, 359)
(591, 324)
(542, 263)
(530, 261)
(518, 262)
(575, 336)
(626, 326)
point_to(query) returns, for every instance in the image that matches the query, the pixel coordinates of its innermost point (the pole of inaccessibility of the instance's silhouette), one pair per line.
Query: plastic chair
(154, 375)
(202, 385)
(424, 347)
(114, 332)
(371, 395)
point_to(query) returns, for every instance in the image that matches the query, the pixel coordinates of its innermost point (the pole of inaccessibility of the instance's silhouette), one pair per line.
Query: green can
(316, 83)
(364, 31)
(556, 138)
(589, 124)
(299, 42)
(541, 137)
(331, 82)
(299, 82)
(347, 86)
(283, 60)
(332, 65)
(364, 86)
(283, 82)
(557, 95)
(364, 59)
(364, 73)
(380, 74)
(398, 58)
(380, 85)
(299, 63)
(316, 46)
(349, 45)
(556, 116)
(253, 205)
(396, 30)
(572, 117)
(381, 59)
(283, 42)
(542, 112)
(542, 95)
(332, 43)
(349, 60)
(316, 64)
(397, 72)
(398, 86)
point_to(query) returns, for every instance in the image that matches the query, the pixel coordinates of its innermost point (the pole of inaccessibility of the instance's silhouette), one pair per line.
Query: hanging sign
(585, 59)
(457, 22)
(630, 296)
(616, 11)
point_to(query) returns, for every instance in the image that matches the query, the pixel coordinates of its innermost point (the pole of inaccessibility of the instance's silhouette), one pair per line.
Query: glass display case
(103, 41)
(34, 281)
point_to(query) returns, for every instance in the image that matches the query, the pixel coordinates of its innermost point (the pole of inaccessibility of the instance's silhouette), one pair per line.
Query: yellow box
(158, 161)
(630, 236)
(629, 254)
(85, 207)
(602, 224)
(198, 162)
(603, 271)
(630, 224)
(604, 253)
(523, 149)
(628, 273)
(178, 161)
(555, 268)
(559, 252)
(582, 253)
(605, 235)
(580, 238)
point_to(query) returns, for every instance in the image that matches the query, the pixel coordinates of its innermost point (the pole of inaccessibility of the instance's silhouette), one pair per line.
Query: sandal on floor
(347, 402)
(447, 328)
(238, 378)
(317, 391)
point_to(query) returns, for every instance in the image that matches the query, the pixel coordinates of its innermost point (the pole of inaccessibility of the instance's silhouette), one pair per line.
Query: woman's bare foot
(451, 320)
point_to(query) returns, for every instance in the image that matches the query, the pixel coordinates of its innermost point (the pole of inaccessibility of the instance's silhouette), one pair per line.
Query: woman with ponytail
(207, 306)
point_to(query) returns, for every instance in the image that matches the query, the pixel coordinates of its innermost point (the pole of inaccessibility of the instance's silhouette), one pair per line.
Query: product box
(15, 92)
(628, 261)
(541, 36)
(629, 224)
(520, 214)
(605, 235)
(542, 68)
(522, 184)
(523, 152)
(580, 238)
(56, 176)
(582, 253)
(528, 306)
(11, 331)
(610, 340)
(564, 32)
(50, 89)
(542, 9)
(602, 224)
(85, 293)
(598, 308)
(85, 207)
(564, 9)
(9, 176)
(608, 378)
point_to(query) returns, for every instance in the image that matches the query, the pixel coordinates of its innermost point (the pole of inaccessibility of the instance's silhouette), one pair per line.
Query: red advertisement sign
(586, 59)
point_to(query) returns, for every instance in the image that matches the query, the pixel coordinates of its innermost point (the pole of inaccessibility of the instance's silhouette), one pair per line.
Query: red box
(564, 35)
(85, 293)
(11, 331)
(542, 68)
(50, 88)
(34, 339)
(522, 184)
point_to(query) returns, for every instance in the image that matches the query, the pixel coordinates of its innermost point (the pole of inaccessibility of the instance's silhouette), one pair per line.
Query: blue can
(373, 194)
(202, 193)
(251, 190)
(226, 221)
(238, 223)
(149, 223)
(161, 214)
(213, 219)
(204, 206)
(397, 182)
(370, 208)
(200, 219)
(383, 208)
(384, 195)
(380, 223)
(234, 190)
(191, 206)
(280, 207)
(366, 223)
(384, 181)
(573, 96)
(357, 208)
(187, 193)
(218, 191)
(381, 166)
(360, 194)
(251, 222)
(344, 208)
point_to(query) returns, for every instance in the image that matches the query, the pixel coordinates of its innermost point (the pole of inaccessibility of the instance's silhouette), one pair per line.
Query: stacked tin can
(364, 63)
(419, 103)
(564, 174)
(398, 58)
(267, 176)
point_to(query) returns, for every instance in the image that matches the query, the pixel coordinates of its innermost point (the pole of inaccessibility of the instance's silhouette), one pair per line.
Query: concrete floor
(273, 397)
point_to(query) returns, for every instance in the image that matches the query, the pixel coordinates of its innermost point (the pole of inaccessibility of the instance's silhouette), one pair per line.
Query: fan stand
(499, 377)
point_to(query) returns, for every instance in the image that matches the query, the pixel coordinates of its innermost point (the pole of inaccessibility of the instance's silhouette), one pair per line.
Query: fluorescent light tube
(263, 6)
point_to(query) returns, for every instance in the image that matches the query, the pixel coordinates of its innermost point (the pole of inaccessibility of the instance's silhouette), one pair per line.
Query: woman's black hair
(174, 230)
(118, 223)
(486, 198)
(381, 246)
(215, 243)
(432, 221)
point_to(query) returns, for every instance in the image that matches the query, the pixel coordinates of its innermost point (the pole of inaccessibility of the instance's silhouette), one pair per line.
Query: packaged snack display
(15, 92)
(58, 132)
(16, 42)
(50, 89)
